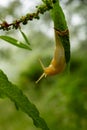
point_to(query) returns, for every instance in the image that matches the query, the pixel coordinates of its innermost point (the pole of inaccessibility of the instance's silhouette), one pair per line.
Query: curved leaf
(16, 95)
(60, 24)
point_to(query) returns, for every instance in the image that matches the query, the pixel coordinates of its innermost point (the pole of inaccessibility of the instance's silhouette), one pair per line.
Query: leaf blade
(25, 37)
(16, 95)
(14, 42)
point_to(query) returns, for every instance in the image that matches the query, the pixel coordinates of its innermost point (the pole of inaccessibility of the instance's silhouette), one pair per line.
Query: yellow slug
(58, 62)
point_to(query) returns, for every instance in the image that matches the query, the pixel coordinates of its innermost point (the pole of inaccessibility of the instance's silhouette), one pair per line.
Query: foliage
(62, 100)
(11, 91)
(7, 88)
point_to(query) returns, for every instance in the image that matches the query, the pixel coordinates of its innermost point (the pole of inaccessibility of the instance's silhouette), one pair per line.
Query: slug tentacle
(40, 78)
(58, 62)
(43, 75)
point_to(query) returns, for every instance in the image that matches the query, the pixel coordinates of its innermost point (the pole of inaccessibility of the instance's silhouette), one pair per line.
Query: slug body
(58, 62)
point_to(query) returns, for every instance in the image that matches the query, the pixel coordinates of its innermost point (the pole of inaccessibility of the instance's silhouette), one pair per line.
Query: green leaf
(25, 37)
(15, 42)
(16, 95)
(60, 24)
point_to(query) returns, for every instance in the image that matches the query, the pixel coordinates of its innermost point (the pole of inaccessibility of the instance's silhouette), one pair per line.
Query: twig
(41, 9)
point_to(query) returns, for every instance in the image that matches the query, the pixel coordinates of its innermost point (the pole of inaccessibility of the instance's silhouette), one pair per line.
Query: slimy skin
(58, 62)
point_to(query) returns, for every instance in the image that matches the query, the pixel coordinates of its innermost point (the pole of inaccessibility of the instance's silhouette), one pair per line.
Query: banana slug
(58, 62)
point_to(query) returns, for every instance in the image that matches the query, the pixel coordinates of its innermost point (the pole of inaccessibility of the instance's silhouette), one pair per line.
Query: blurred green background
(61, 99)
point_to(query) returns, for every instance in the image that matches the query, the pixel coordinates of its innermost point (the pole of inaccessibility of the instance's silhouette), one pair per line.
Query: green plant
(7, 89)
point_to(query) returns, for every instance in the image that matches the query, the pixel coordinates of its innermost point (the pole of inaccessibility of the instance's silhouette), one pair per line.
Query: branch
(41, 9)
